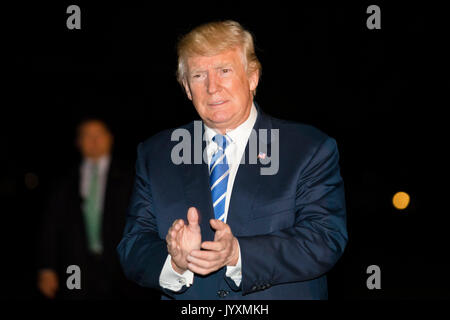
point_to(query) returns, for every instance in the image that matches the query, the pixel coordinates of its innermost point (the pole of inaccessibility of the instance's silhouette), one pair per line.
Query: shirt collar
(238, 134)
(102, 162)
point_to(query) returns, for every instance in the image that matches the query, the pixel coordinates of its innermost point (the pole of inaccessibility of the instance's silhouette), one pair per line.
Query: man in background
(84, 221)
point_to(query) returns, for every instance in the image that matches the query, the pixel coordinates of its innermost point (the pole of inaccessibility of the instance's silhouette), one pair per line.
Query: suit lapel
(246, 183)
(77, 205)
(109, 214)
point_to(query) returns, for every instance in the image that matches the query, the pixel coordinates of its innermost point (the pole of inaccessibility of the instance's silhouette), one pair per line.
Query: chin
(220, 117)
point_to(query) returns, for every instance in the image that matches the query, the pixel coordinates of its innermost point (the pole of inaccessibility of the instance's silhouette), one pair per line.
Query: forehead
(92, 126)
(229, 57)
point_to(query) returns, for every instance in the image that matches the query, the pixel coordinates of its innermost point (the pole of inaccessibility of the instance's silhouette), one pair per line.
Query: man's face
(220, 88)
(94, 140)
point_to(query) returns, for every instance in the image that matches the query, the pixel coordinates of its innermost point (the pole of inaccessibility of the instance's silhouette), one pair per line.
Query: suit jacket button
(222, 293)
(254, 288)
(268, 285)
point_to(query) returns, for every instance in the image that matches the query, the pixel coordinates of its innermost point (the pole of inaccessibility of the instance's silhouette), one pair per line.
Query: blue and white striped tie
(219, 172)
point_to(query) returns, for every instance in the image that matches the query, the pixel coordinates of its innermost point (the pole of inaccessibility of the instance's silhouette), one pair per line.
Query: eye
(198, 77)
(226, 70)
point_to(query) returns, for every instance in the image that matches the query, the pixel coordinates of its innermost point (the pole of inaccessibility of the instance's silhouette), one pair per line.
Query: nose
(213, 85)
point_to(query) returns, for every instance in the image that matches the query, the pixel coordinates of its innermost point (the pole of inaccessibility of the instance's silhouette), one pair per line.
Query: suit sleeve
(142, 252)
(313, 245)
(49, 233)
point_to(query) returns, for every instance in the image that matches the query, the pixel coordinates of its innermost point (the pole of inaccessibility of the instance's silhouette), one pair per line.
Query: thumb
(193, 217)
(217, 224)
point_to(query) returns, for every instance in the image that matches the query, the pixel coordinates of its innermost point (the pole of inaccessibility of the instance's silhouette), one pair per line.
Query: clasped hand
(188, 252)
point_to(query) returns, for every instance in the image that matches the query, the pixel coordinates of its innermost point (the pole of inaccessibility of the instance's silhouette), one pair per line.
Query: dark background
(377, 92)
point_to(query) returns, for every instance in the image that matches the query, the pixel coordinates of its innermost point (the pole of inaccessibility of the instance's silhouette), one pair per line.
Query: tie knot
(221, 140)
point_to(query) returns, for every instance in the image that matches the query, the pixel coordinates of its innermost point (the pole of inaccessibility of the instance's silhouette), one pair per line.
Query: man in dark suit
(257, 227)
(84, 222)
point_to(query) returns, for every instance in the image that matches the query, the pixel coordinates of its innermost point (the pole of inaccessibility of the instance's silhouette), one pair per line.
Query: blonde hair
(213, 38)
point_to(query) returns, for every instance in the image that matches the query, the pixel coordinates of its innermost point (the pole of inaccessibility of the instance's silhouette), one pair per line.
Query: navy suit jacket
(291, 226)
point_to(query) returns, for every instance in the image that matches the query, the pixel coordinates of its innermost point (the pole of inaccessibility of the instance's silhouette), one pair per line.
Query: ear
(187, 89)
(253, 80)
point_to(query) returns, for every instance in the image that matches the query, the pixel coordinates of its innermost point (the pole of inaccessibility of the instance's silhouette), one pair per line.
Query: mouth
(217, 103)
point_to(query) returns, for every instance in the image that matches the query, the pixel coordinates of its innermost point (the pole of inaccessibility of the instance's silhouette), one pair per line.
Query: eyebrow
(220, 66)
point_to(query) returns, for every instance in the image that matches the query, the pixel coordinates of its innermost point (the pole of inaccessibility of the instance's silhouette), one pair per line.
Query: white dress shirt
(86, 175)
(169, 278)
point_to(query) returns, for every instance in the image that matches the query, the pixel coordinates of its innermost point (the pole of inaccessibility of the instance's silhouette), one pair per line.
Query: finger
(48, 292)
(177, 229)
(205, 255)
(217, 224)
(54, 286)
(53, 292)
(169, 235)
(173, 235)
(199, 270)
(213, 245)
(179, 236)
(170, 246)
(193, 217)
(173, 248)
(174, 224)
(202, 263)
(179, 224)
